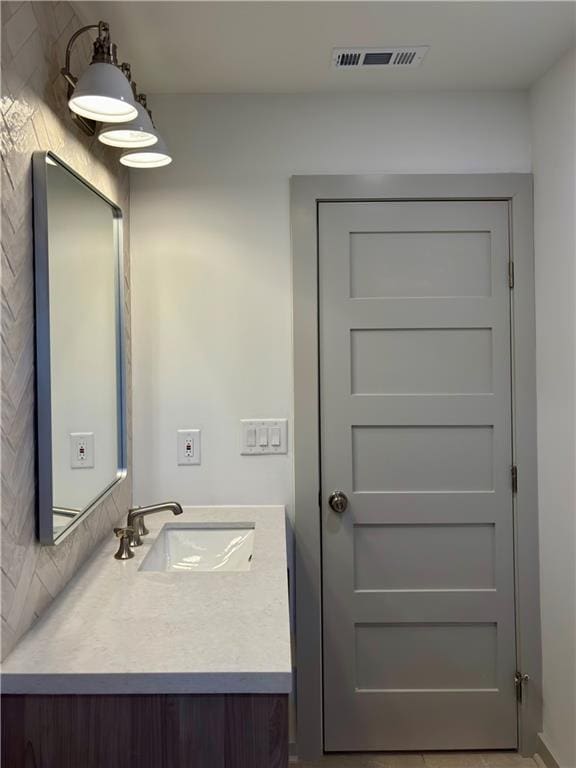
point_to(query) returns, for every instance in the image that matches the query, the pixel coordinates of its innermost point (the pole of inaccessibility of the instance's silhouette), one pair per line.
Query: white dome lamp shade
(147, 157)
(102, 93)
(136, 134)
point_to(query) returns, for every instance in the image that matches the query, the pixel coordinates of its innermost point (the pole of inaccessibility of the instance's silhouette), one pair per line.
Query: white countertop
(115, 629)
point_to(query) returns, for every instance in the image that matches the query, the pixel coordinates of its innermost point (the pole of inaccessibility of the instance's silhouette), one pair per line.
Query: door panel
(418, 587)
(457, 556)
(423, 459)
(385, 264)
(428, 360)
(415, 656)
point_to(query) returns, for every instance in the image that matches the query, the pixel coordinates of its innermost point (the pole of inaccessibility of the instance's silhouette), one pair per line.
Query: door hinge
(511, 274)
(519, 681)
(514, 473)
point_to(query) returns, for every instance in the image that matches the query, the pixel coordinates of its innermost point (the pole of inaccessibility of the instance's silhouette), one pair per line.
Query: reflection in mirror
(78, 263)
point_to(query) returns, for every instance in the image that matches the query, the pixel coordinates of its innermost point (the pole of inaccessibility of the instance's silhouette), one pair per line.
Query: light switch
(262, 436)
(275, 437)
(188, 446)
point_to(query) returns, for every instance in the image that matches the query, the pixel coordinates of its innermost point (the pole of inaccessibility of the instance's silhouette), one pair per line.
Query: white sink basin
(194, 547)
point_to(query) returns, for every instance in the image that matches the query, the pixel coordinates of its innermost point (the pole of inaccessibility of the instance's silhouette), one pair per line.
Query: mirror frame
(44, 491)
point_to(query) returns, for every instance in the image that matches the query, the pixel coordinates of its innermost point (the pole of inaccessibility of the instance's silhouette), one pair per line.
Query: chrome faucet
(136, 519)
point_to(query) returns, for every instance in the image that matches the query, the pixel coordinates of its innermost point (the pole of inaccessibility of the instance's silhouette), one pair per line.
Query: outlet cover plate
(82, 450)
(189, 444)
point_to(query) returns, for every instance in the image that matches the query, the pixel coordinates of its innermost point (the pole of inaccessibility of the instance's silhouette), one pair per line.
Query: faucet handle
(124, 550)
(123, 531)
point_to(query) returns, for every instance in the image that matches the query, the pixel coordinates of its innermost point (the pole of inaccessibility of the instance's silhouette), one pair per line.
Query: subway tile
(9, 8)
(12, 555)
(63, 14)
(40, 130)
(17, 208)
(23, 583)
(45, 18)
(8, 592)
(9, 638)
(19, 27)
(48, 573)
(37, 600)
(31, 59)
(6, 54)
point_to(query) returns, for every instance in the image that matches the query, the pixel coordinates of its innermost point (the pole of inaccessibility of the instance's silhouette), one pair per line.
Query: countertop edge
(147, 683)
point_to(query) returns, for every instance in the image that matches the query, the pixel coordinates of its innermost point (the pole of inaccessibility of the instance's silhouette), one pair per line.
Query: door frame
(306, 192)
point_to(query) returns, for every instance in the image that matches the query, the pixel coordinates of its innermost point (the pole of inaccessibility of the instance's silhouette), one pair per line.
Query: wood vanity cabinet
(145, 731)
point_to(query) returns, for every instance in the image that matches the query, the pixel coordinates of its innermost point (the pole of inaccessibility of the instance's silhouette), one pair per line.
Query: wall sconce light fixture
(149, 157)
(105, 94)
(137, 133)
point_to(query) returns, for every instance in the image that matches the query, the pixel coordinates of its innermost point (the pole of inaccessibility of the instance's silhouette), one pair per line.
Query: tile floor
(426, 760)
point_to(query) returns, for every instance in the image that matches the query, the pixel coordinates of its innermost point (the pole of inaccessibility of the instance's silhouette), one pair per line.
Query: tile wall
(35, 117)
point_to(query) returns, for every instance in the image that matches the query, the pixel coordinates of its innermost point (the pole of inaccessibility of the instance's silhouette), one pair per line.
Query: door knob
(338, 501)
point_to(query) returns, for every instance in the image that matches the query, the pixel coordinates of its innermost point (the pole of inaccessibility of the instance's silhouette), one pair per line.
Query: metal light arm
(104, 51)
(101, 48)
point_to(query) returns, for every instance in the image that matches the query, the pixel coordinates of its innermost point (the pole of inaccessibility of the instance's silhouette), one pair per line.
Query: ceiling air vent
(361, 58)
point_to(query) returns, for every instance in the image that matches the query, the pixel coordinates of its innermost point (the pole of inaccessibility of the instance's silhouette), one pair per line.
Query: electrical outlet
(82, 450)
(188, 442)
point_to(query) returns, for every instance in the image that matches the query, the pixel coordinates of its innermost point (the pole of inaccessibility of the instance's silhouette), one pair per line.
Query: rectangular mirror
(78, 255)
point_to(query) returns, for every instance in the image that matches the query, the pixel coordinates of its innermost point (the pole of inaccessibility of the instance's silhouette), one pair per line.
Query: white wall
(554, 161)
(211, 258)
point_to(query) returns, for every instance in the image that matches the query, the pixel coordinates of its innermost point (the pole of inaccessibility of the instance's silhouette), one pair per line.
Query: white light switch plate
(188, 441)
(82, 450)
(263, 436)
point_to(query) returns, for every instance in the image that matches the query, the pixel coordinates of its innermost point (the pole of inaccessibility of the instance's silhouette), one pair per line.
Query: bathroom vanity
(177, 657)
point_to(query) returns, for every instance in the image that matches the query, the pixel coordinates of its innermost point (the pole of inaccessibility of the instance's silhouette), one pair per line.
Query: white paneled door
(418, 569)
